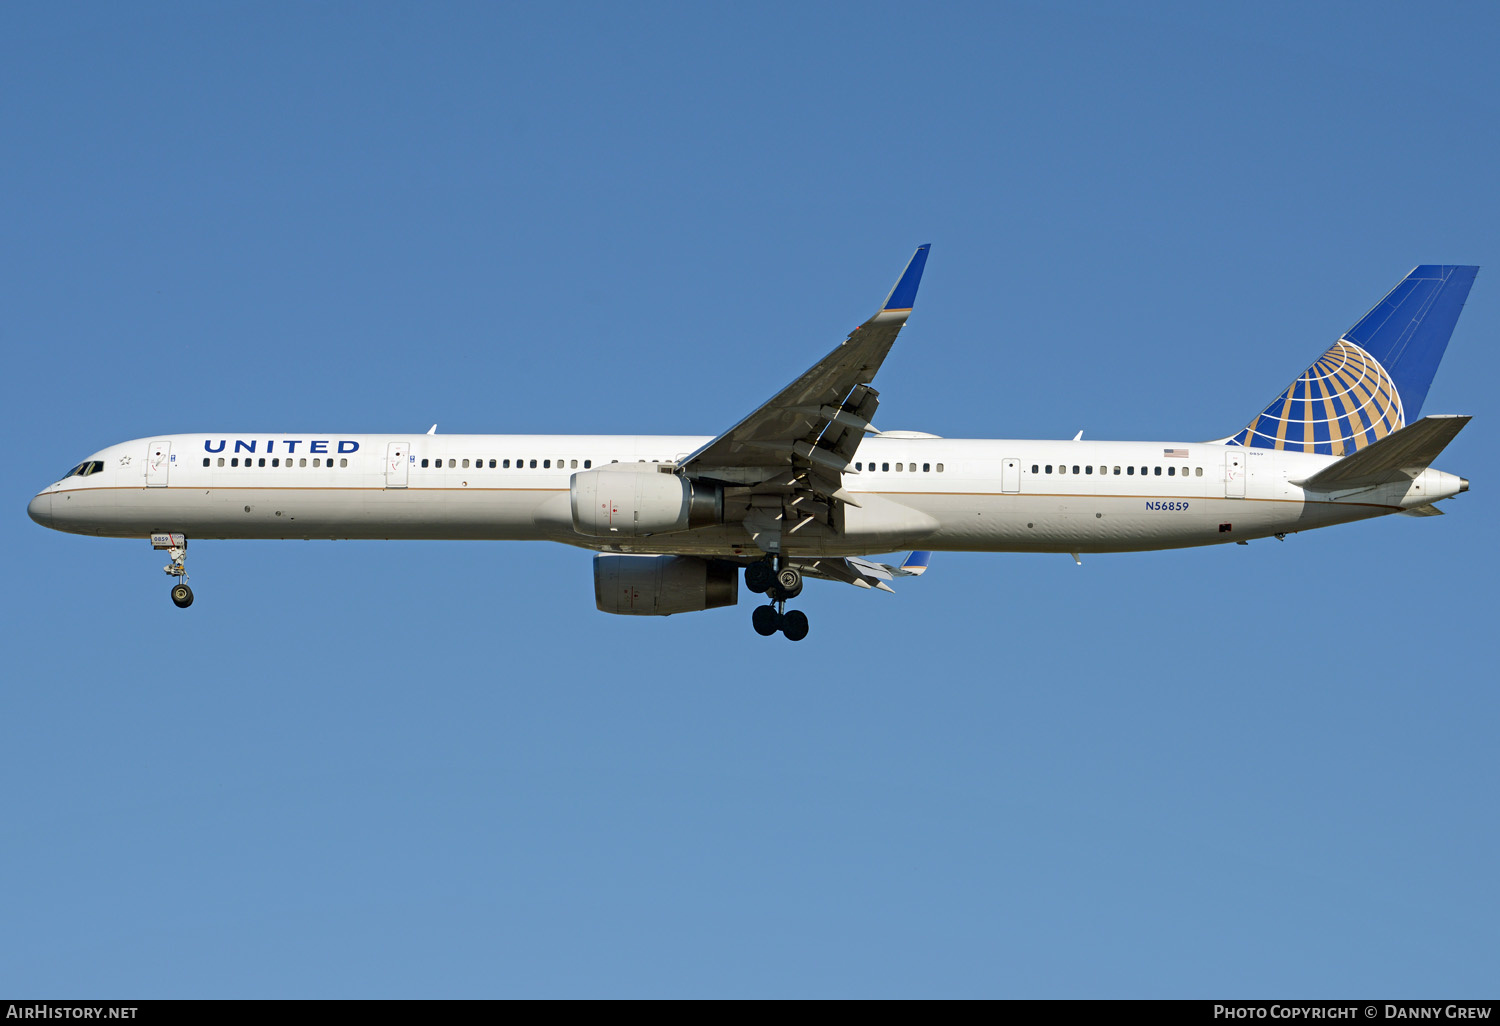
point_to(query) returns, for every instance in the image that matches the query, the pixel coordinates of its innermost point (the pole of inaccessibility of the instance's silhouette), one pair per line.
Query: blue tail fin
(1374, 379)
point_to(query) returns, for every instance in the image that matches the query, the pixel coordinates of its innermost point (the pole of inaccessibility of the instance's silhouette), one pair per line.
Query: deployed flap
(1395, 456)
(814, 424)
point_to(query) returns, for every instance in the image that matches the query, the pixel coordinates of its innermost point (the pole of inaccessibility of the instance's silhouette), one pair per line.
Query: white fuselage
(916, 492)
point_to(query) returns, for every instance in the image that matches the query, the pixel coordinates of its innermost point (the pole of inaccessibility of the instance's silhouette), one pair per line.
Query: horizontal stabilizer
(1428, 510)
(1391, 458)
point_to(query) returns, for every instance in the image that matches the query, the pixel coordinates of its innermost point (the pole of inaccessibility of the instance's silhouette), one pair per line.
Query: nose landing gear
(778, 584)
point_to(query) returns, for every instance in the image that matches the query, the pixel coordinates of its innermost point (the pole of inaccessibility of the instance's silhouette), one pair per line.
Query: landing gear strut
(778, 584)
(176, 546)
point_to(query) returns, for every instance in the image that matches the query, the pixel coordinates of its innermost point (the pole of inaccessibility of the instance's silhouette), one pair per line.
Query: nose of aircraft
(40, 509)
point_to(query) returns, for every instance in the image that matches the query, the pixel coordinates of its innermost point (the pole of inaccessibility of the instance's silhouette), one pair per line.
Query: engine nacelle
(633, 499)
(663, 585)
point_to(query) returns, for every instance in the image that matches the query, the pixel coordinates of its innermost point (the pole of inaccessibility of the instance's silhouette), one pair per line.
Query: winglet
(916, 563)
(904, 295)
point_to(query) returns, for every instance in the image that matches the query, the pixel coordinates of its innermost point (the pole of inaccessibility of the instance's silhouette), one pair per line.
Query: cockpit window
(85, 468)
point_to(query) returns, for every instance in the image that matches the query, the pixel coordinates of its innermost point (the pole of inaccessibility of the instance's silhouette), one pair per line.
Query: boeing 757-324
(805, 486)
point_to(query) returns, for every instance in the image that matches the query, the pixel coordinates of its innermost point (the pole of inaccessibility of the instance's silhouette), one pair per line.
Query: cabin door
(397, 460)
(1010, 476)
(158, 460)
(1234, 475)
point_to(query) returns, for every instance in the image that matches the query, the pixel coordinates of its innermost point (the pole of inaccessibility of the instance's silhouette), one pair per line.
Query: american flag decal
(1179, 453)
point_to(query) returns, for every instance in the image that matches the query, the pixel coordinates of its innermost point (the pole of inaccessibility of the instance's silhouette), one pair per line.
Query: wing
(798, 445)
(863, 573)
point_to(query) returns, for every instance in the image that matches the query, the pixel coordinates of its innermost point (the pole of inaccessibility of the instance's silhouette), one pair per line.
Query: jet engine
(663, 585)
(630, 500)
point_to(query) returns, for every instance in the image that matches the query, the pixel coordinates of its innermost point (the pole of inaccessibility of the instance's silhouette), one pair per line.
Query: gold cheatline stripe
(1016, 495)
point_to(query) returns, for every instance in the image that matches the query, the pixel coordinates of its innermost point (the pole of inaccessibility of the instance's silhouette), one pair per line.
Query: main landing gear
(176, 546)
(778, 583)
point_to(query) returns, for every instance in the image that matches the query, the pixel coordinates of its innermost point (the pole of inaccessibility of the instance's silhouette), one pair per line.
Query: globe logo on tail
(1339, 405)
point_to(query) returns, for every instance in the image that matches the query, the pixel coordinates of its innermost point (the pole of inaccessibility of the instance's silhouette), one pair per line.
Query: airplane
(806, 486)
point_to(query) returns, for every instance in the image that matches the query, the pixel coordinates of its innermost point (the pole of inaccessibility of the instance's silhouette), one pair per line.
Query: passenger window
(927, 468)
(533, 464)
(1075, 468)
(1158, 472)
(302, 461)
(940, 468)
(1033, 468)
(505, 464)
(859, 466)
(276, 462)
(1089, 469)
(1049, 468)
(1171, 471)
(1198, 471)
(1117, 472)
(587, 464)
(466, 464)
(205, 461)
(1062, 468)
(1128, 471)
(452, 464)
(221, 461)
(885, 466)
(546, 464)
(261, 462)
(572, 464)
(343, 462)
(316, 462)
(898, 468)
(234, 462)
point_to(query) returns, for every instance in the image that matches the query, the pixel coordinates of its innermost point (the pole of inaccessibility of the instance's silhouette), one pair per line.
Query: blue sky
(433, 769)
